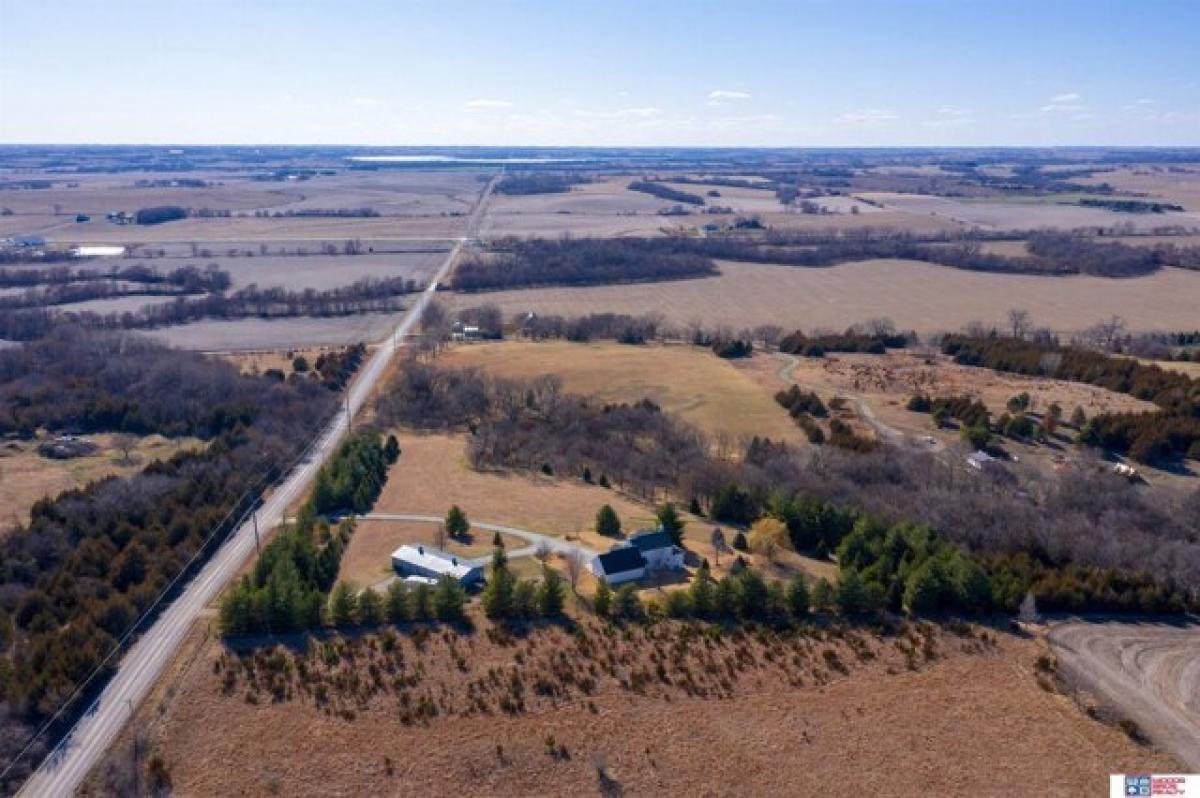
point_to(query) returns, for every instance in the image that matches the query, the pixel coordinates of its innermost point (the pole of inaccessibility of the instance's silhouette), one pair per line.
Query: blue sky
(803, 73)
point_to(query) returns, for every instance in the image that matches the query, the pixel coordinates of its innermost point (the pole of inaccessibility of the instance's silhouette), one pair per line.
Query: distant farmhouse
(425, 563)
(645, 552)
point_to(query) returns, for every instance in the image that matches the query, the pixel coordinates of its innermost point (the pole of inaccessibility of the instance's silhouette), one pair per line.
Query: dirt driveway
(1149, 671)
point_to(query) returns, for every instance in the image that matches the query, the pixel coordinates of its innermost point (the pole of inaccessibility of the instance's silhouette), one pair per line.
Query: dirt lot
(972, 720)
(26, 476)
(1149, 671)
(915, 295)
(690, 382)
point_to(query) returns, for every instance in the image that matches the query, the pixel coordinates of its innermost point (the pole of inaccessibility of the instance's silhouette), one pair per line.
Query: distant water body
(453, 159)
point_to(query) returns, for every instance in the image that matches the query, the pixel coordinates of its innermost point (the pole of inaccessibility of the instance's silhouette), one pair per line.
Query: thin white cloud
(723, 96)
(620, 113)
(1143, 104)
(365, 102)
(1067, 103)
(487, 105)
(866, 117)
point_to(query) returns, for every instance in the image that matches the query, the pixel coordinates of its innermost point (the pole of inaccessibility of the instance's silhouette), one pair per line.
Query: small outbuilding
(431, 563)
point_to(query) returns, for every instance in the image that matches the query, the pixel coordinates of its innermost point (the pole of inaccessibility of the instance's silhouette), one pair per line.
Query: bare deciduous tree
(1018, 323)
(125, 443)
(575, 563)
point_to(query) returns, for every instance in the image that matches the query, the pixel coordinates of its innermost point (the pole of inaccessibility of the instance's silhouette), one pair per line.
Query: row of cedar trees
(908, 566)
(295, 571)
(1157, 437)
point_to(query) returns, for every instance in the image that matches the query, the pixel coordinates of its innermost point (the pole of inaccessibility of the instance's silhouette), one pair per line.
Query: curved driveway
(1149, 671)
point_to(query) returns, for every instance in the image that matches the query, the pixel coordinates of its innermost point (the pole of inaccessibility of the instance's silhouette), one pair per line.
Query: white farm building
(431, 563)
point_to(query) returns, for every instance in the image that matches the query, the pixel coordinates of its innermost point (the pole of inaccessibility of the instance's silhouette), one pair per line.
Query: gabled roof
(651, 540)
(435, 560)
(621, 560)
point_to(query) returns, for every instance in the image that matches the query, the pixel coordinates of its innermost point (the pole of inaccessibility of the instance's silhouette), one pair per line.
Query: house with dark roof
(620, 564)
(657, 549)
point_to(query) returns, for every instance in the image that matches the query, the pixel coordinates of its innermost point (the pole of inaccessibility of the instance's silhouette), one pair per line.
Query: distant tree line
(320, 213)
(620, 327)
(1129, 205)
(800, 343)
(536, 262)
(160, 214)
(189, 279)
(1155, 438)
(518, 264)
(666, 192)
(367, 295)
(524, 183)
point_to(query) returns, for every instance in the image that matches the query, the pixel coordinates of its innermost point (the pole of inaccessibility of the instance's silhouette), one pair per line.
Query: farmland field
(219, 335)
(1007, 215)
(914, 295)
(690, 382)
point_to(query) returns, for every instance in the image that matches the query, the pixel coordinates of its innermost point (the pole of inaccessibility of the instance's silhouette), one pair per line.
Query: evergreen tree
(670, 522)
(457, 524)
(739, 541)
(607, 522)
(751, 594)
(396, 604)
(725, 600)
(679, 604)
(797, 597)
(421, 603)
(552, 594)
(626, 603)
(498, 592)
(852, 596)
(370, 608)
(703, 592)
(822, 595)
(497, 541)
(343, 605)
(391, 449)
(448, 599)
(524, 601)
(602, 600)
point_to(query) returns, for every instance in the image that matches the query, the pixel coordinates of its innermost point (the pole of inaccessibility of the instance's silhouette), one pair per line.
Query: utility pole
(257, 543)
(349, 415)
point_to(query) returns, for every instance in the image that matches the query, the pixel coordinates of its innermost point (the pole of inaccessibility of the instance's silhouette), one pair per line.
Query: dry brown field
(684, 380)
(1026, 214)
(970, 718)
(1156, 182)
(216, 335)
(26, 476)
(920, 296)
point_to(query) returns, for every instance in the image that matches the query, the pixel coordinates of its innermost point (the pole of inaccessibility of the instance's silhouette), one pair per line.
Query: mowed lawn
(688, 381)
